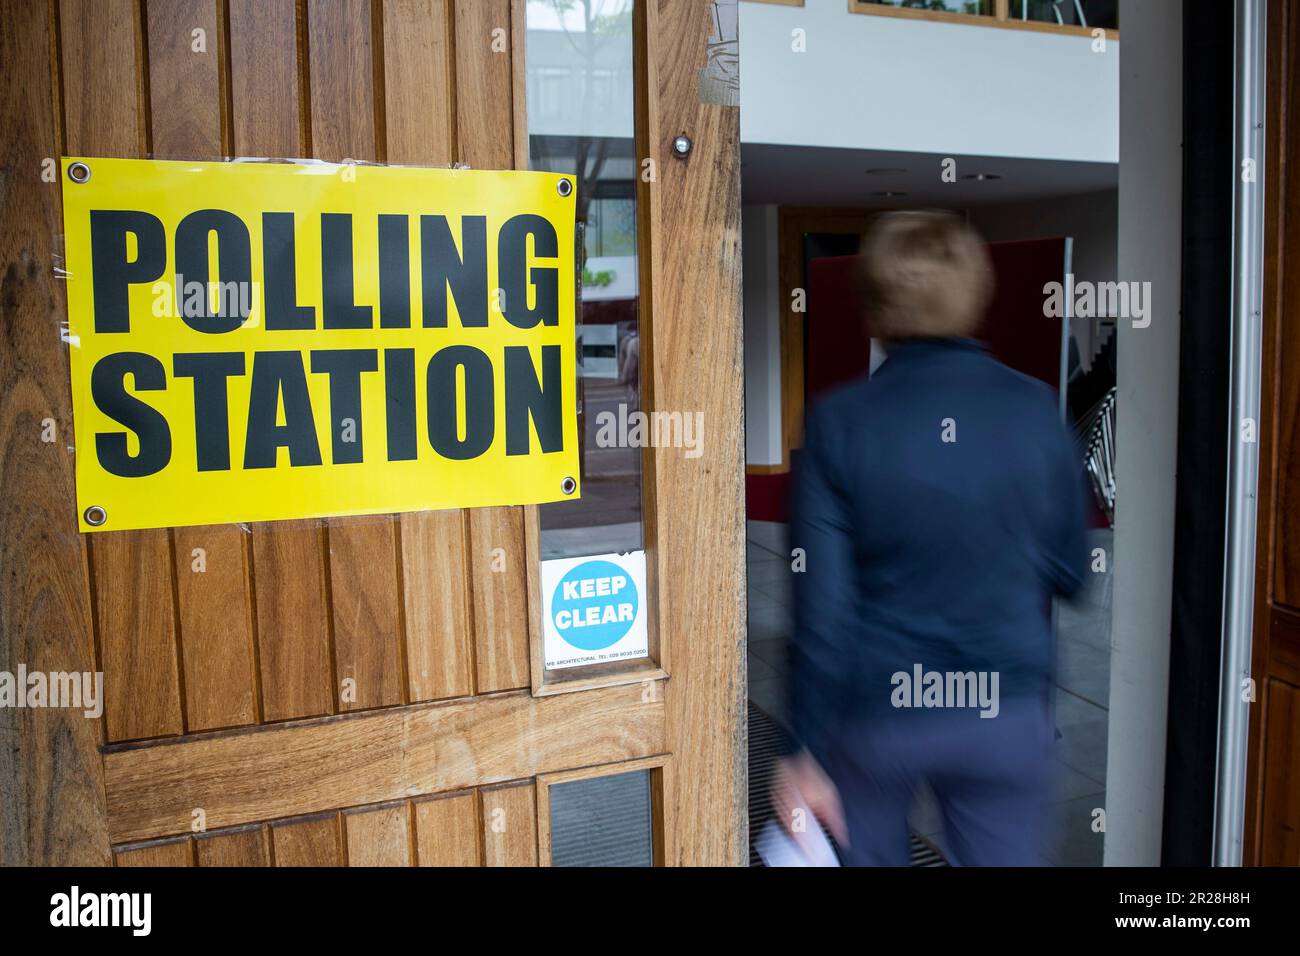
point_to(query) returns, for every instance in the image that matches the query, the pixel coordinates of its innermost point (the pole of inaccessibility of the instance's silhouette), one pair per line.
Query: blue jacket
(939, 504)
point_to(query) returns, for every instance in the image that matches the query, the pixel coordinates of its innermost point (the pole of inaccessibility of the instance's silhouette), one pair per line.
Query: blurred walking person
(939, 507)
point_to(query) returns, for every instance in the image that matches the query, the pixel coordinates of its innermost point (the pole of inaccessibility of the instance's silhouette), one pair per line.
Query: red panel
(767, 497)
(1014, 326)
(836, 344)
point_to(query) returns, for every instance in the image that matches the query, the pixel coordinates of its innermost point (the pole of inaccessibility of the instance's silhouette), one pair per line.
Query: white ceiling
(819, 176)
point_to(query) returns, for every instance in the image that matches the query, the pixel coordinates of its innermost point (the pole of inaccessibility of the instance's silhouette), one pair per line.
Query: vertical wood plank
(312, 841)
(1280, 816)
(137, 634)
(292, 619)
(484, 84)
(103, 78)
(485, 124)
(290, 580)
(420, 128)
(420, 121)
(364, 555)
(184, 83)
(102, 71)
(500, 595)
(509, 815)
(519, 82)
(51, 776)
(216, 615)
(693, 223)
(167, 853)
(367, 611)
(1281, 232)
(1285, 238)
(439, 638)
(265, 91)
(447, 831)
(342, 79)
(379, 837)
(241, 848)
(212, 586)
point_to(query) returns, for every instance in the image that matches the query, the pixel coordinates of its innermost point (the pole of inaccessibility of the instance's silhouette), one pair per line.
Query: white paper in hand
(776, 847)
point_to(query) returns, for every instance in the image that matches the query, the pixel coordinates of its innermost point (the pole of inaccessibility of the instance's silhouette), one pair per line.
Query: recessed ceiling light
(982, 177)
(886, 171)
(889, 193)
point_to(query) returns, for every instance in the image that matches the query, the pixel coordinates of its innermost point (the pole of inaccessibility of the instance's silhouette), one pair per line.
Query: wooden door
(363, 690)
(1272, 826)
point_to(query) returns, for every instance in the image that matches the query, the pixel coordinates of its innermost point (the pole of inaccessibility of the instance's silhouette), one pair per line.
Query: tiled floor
(1082, 691)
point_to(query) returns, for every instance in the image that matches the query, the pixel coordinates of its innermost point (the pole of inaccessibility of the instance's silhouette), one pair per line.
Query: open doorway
(1049, 212)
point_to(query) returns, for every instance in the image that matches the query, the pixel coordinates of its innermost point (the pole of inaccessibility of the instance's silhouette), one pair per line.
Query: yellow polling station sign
(259, 341)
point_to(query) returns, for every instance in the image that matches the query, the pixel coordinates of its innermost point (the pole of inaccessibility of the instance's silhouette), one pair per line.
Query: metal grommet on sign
(564, 186)
(95, 515)
(79, 172)
(568, 485)
(682, 146)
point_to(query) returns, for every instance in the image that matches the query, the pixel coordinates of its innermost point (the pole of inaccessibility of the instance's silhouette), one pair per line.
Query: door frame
(793, 223)
(1273, 640)
(692, 360)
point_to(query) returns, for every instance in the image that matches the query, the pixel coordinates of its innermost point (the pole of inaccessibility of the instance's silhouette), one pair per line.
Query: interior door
(367, 690)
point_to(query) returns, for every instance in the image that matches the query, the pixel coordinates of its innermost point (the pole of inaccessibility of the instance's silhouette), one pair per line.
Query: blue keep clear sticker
(593, 609)
(594, 605)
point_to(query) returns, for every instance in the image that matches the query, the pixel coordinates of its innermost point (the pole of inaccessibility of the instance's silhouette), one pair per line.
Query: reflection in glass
(1087, 13)
(581, 121)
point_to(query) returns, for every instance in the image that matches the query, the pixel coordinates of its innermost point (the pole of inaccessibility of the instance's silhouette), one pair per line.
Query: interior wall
(760, 290)
(1091, 218)
(1150, 230)
(894, 83)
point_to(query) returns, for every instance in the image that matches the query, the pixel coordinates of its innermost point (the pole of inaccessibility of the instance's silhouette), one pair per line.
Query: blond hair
(924, 275)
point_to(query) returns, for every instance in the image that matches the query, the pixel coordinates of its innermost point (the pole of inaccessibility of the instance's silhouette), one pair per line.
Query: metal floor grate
(766, 743)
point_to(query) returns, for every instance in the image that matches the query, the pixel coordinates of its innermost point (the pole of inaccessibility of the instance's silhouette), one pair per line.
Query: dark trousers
(990, 775)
